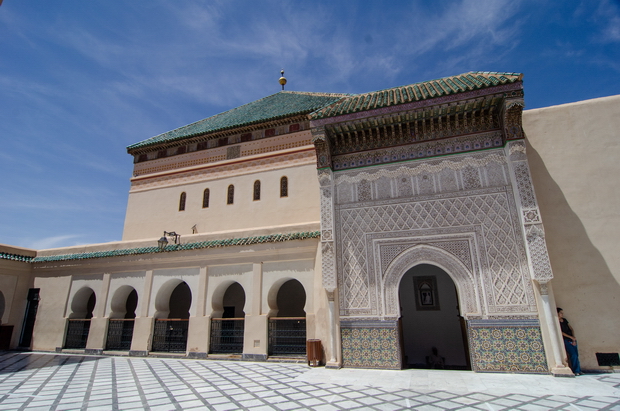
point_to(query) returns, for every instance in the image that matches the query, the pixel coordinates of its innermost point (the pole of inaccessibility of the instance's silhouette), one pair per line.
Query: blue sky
(81, 80)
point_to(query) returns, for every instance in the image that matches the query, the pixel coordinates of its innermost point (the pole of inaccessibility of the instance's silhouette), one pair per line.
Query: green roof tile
(280, 105)
(15, 257)
(416, 92)
(273, 238)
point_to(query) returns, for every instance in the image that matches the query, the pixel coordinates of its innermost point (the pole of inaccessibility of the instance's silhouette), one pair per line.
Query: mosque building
(434, 224)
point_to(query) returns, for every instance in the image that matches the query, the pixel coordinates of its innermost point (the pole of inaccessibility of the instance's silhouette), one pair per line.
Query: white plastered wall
(573, 153)
(153, 211)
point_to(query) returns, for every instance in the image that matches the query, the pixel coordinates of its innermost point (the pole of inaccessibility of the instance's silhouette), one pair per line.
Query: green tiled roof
(272, 238)
(15, 257)
(277, 106)
(474, 80)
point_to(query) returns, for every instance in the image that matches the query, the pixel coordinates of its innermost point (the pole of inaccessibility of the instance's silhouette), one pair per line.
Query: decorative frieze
(421, 150)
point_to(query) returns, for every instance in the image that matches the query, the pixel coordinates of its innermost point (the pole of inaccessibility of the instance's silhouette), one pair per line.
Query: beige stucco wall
(574, 157)
(150, 212)
(260, 269)
(49, 328)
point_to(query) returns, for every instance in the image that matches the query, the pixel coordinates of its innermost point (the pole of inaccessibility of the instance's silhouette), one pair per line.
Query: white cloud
(608, 14)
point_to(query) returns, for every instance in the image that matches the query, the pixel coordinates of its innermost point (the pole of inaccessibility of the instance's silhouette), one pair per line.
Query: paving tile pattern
(31, 381)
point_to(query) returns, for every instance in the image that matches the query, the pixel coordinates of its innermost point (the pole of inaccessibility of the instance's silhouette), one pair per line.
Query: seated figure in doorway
(434, 360)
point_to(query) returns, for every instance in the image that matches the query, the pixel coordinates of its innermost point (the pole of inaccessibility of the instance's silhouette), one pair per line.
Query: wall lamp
(163, 242)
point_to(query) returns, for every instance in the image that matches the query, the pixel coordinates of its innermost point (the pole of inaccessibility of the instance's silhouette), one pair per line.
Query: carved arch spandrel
(463, 278)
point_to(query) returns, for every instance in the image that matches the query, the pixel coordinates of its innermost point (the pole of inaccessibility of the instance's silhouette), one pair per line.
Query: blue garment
(573, 355)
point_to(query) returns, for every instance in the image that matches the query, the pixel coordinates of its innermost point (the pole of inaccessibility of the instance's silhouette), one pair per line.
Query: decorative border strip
(16, 257)
(272, 238)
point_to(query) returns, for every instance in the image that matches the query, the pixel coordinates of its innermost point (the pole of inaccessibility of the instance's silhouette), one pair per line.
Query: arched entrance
(78, 325)
(172, 306)
(122, 317)
(228, 321)
(287, 319)
(433, 331)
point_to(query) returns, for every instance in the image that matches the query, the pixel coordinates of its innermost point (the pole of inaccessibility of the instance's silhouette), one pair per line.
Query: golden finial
(282, 79)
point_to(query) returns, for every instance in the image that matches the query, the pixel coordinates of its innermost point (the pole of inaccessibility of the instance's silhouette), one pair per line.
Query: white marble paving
(40, 381)
(463, 382)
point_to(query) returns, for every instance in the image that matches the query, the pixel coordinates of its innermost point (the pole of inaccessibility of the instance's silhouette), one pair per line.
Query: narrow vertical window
(257, 190)
(205, 198)
(182, 201)
(231, 194)
(284, 187)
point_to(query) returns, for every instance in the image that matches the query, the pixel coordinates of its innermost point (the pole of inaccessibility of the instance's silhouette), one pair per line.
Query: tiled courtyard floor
(37, 381)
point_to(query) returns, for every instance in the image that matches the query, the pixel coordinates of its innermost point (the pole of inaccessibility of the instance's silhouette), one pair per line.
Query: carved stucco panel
(463, 278)
(530, 214)
(505, 276)
(328, 246)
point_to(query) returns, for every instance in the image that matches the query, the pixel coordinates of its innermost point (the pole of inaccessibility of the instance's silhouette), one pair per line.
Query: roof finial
(282, 79)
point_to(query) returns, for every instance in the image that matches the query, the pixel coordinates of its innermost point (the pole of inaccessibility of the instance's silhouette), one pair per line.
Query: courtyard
(48, 381)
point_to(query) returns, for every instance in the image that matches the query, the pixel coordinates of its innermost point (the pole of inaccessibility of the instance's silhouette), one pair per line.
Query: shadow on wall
(583, 284)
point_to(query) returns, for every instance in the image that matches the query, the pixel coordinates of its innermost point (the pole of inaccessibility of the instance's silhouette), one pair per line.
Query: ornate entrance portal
(440, 179)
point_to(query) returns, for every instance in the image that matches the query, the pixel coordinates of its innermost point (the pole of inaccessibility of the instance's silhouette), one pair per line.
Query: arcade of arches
(173, 326)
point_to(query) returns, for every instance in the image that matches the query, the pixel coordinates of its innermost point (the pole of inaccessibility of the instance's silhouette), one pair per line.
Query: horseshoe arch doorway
(433, 332)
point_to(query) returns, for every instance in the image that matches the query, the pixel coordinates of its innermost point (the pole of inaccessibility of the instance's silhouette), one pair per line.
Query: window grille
(257, 190)
(170, 335)
(284, 187)
(287, 336)
(182, 201)
(120, 333)
(227, 335)
(77, 334)
(231, 194)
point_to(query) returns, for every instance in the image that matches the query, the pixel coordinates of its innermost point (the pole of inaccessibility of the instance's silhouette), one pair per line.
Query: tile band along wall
(507, 346)
(370, 344)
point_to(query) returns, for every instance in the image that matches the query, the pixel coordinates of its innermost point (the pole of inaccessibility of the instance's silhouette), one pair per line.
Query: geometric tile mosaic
(366, 345)
(507, 346)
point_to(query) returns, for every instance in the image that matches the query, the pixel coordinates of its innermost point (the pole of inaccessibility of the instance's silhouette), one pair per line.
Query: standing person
(570, 343)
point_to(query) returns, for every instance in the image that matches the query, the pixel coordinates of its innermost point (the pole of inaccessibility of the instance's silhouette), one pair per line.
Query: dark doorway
(32, 306)
(432, 329)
